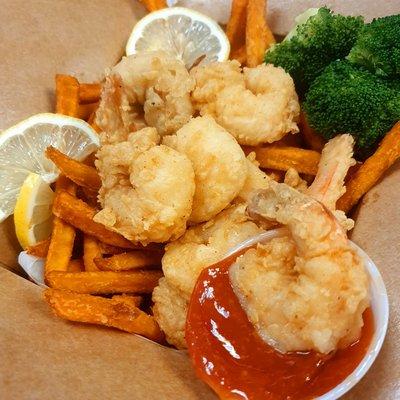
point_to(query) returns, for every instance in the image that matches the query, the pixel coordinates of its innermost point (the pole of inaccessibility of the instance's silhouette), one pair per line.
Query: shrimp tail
(312, 226)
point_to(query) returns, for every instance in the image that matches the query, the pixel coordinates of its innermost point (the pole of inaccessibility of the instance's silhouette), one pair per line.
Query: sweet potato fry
(372, 170)
(75, 266)
(154, 5)
(259, 36)
(135, 301)
(67, 95)
(78, 172)
(111, 250)
(89, 92)
(312, 140)
(89, 196)
(39, 249)
(282, 158)
(236, 27)
(105, 282)
(128, 261)
(92, 121)
(86, 110)
(113, 312)
(63, 235)
(80, 215)
(239, 55)
(91, 250)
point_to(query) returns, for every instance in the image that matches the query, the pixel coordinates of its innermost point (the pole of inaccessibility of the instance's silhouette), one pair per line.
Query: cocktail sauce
(230, 356)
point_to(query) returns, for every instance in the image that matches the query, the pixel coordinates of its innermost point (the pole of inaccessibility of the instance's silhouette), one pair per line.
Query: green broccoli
(314, 44)
(349, 99)
(378, 47)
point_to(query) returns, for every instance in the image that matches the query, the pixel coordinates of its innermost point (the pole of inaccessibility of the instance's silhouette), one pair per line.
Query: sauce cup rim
(379, 304)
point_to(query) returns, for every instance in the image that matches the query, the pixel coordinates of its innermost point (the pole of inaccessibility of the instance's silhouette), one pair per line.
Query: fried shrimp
(306, 292)
(185, 258)
(328, 185)
(211, 80)
(294, 180)
(256, 179)
(115, 117)
(162, 85)
(336, 159)
(219, 164)
(258, 106)
(147, 188)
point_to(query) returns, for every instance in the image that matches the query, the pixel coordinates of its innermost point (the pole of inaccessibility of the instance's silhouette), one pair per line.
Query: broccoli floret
(349, 99)
(378, 47)
(321, 39)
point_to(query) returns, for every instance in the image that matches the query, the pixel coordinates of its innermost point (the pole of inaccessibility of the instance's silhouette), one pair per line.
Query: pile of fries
(96, 275)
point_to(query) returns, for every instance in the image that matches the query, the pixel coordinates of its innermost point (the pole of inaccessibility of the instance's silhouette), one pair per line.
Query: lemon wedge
(22, 149)
(191, 36)
(32, 213)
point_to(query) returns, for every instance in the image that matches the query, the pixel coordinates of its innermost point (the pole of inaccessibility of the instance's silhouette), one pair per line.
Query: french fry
(282, 158)
(86, 110)
(239, 55)
(128, 261)
(313, 141)
(67, 95)
(39, 249)
(105, 282)
(75, 266)
(236, 29)
(135, 301)
(89, 196)
(154, 5)
(259, 36)
(78, 172)
(291, 140)
(89, 93)
(91, 250)
(90, 159)
(63, 235)
(111, 250)
(92, 121)
(80, 215)
(114, 312)
(372, 170)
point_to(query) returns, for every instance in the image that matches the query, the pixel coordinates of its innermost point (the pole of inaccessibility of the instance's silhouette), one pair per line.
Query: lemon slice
(32, 214)
(189, 35)
(22, 150)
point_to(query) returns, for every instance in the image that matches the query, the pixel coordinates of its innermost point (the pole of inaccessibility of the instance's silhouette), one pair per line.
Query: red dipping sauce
(230, 356)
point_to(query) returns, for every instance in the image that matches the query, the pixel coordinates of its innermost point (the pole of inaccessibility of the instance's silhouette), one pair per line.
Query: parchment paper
(43, 357)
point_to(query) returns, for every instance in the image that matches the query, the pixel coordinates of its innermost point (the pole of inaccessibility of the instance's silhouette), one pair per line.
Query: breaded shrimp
(210, 80)
(162, 85)
(255, 180)
(219, 164)
(258, 106)
(114, 116)
(185, 258)
(306, 292)
(336, 159)
(147, 189)
(170, 309)
(328, 185)
(294, 180)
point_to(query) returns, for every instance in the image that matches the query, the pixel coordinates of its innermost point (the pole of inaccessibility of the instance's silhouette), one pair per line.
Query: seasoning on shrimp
(185, 258)
(307, 291)
(218, 161)
(257, 106)
(161, 84)
(147, 188)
